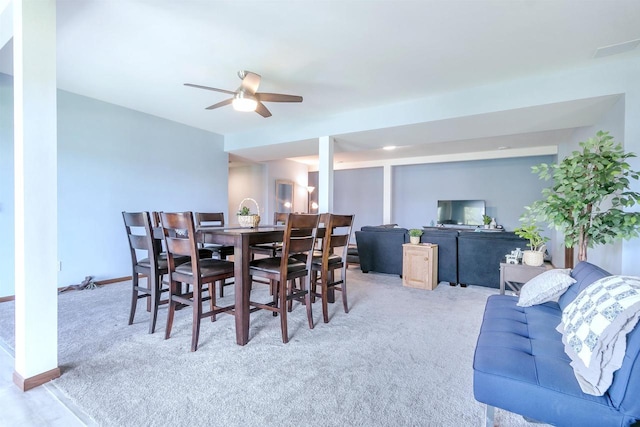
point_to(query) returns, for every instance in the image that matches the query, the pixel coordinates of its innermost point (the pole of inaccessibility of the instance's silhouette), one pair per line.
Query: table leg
(501, 280)
(242, 288)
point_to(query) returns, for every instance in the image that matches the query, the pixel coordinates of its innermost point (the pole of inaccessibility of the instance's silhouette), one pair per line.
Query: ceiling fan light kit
(243, 102)
(246, 97)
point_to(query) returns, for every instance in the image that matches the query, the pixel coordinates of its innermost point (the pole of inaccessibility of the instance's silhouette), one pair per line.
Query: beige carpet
(401, 357)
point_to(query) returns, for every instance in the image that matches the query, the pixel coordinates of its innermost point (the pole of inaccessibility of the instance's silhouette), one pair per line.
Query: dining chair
(299, 238)
(180, 240)
(213, 219)
(269, 249)
(151, 264)
(338, 230)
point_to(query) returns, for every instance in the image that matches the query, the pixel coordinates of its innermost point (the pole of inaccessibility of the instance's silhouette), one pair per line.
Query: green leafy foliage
(532, 233)
(244, 211)
(589, 195)
(486, 219)
(415, 232)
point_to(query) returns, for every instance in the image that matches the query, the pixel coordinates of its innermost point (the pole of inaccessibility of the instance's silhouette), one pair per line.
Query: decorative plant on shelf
(486, 219)
(414, 235)
(589, 194)
(531, 232)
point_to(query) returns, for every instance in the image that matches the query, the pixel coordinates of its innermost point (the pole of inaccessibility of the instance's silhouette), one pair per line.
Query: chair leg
(307, 299)
(212, 301)
(325, 296)
(314, 284)
(197, 314)
(173, 289)
(343, 288)
(275, 286)
(221, 288)
(283, 310)
(156, 285)
(149, 294)
(289, 292)
(134, 297)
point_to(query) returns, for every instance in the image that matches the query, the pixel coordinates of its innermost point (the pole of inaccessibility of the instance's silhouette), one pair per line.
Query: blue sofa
(520, 364)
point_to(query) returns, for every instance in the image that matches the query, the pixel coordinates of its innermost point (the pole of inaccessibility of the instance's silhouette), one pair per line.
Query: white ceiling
(340, 56)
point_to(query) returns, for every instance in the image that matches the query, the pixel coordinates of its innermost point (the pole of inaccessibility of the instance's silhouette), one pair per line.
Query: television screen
(460, 212)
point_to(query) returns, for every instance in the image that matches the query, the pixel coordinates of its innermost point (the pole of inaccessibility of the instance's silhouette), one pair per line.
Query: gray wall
(506, 185)
(112, 159)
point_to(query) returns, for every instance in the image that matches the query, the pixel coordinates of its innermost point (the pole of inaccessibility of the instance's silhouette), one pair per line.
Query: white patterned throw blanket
(594, 329)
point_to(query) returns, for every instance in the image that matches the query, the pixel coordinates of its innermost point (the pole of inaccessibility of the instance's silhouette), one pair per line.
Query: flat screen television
(460, 212)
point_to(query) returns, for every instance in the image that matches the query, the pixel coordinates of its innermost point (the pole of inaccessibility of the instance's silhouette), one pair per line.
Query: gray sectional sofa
(466, 257)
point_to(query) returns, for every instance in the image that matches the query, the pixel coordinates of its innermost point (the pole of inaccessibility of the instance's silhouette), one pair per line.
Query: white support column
(36, 219)
(386, 194)
(325, 174)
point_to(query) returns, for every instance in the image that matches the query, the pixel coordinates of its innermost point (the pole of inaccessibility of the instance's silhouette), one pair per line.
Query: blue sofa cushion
(585, 274)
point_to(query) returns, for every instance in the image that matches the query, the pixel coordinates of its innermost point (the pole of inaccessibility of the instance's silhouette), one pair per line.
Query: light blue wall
(112, 159)
(357, 191)
(506, 185)
(7, 258)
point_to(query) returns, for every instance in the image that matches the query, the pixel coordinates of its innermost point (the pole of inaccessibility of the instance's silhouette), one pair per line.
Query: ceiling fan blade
(210, 88)
(250, 81)
(278, 97)
(220, 104)
(262, 110)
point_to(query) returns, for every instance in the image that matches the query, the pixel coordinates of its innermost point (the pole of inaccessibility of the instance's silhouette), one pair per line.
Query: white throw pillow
(594, 330)
(548, 286)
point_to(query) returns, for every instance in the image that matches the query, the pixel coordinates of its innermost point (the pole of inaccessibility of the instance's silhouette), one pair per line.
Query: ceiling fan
(246, 97)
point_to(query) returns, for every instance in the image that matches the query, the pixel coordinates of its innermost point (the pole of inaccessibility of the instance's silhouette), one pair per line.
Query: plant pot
(415, 240)
(533, 258)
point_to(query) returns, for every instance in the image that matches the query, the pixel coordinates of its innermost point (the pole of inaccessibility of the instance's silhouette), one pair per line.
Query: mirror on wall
(284, 196)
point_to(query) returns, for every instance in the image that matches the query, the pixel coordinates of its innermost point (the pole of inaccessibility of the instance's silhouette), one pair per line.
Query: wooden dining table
(241, 239)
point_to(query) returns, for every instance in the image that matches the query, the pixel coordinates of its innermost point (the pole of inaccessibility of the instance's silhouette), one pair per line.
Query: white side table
(515, 275)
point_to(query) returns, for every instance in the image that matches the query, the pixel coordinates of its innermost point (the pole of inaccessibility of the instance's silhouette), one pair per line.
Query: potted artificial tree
(535, 255)
(414, 235)
(486, 220)
(590, 192)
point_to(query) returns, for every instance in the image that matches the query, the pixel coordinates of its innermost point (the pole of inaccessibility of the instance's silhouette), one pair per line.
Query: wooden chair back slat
(210, 218)
(337, 234)
(300, 233)
(140, 236)
(139, 242)
(279, 218)
(179, 236)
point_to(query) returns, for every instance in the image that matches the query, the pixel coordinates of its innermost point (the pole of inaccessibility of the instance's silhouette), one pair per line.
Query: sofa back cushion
(585, 274)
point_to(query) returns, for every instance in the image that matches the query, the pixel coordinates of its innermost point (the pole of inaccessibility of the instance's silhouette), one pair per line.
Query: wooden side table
(515, 275)
(420, 265)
